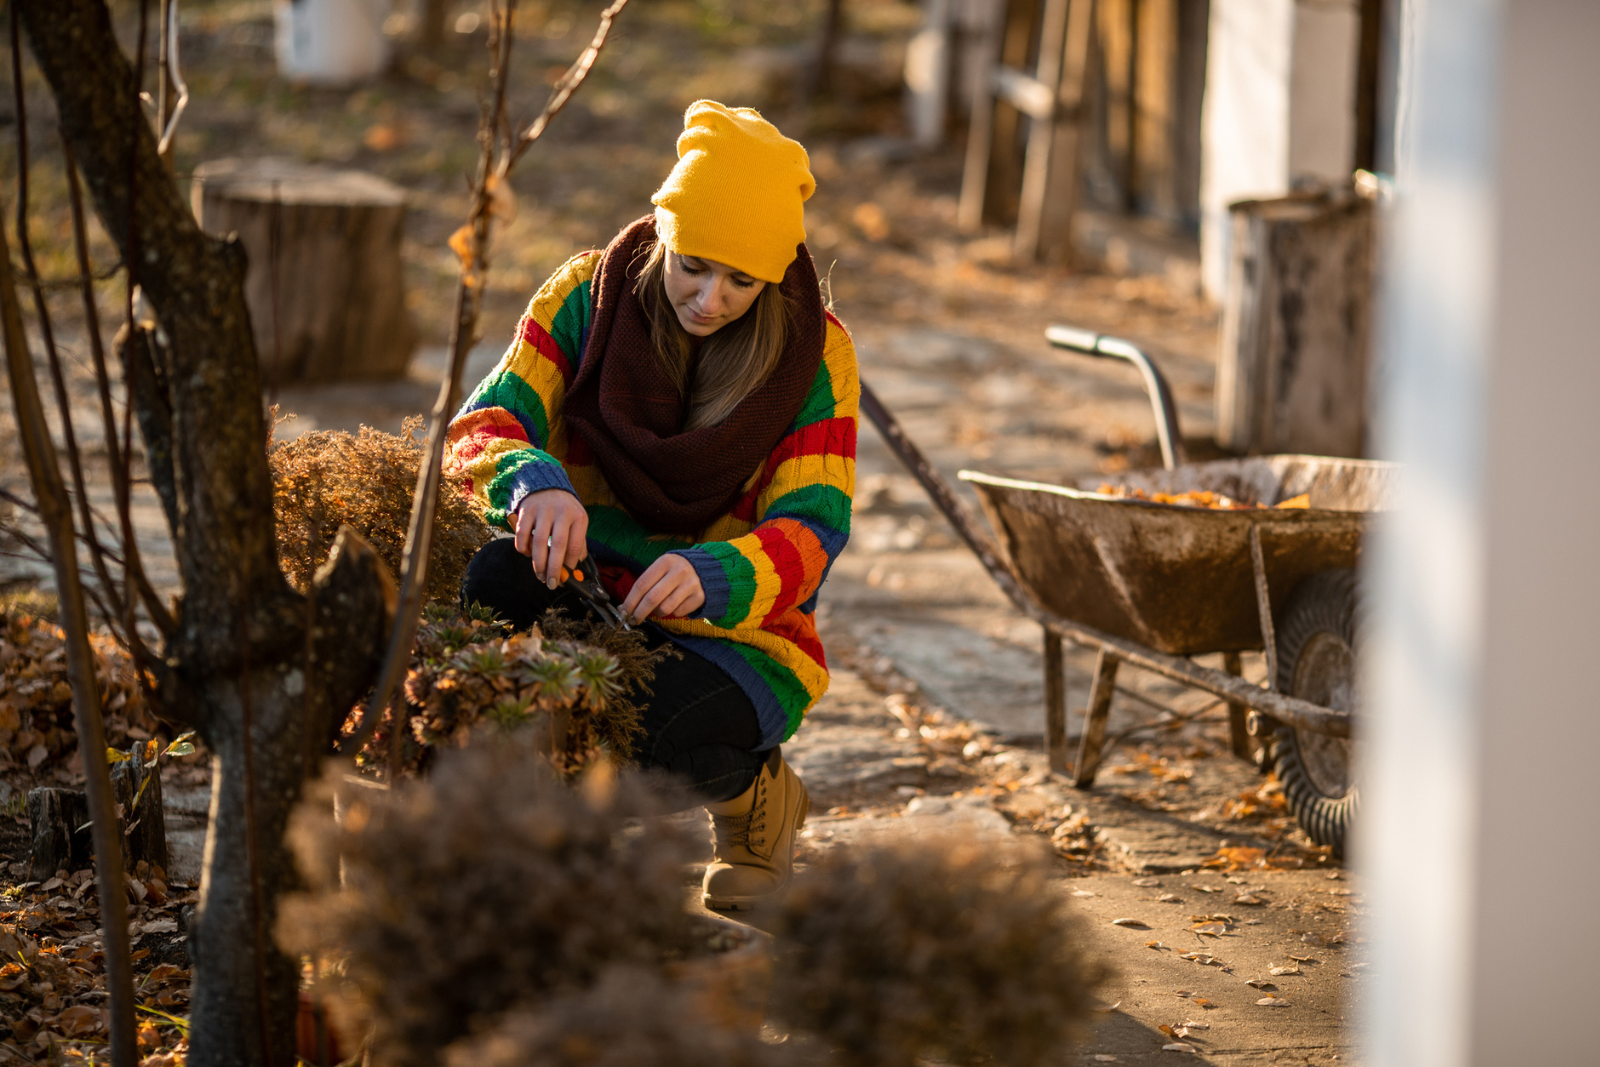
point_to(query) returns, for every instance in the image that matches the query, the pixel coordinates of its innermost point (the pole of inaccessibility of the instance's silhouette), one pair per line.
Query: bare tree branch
(565, 87)
(463, 333)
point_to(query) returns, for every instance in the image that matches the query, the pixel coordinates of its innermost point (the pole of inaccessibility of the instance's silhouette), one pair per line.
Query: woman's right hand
(552, 531)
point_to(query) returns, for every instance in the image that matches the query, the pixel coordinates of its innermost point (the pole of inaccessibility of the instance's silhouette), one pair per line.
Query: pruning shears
(584, 579)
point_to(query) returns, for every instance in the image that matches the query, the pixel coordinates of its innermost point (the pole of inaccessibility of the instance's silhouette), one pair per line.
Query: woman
(682, 407)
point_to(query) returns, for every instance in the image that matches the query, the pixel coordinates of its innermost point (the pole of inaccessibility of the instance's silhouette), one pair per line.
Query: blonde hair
(731, 364)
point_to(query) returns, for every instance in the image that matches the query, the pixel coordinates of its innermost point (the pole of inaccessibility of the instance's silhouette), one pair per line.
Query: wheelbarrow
(1154, 584)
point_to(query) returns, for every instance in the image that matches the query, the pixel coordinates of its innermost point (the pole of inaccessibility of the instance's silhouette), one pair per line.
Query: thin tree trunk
(263, 672)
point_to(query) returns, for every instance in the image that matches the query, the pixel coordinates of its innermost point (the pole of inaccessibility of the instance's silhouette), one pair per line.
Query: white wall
(1279, 105)
(1482, 803)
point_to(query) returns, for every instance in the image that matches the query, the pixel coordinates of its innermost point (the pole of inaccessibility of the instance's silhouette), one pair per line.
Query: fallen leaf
(1285, 970)
(1261, 984)
(1177, 1046)
(1170, 898)
(1137, 924)
(1146, 883)
(1082, 893)
(1183, 992)
(1190, 1024)
(1166, 1029)
(79, 1020)
(1314, 939)
(1207, 888)
(1248, 898)
(1303, 959)
(1154, 944)
(51, 884)
(160, 926)
(1202, 1001)
(1212, 929)
(1272, 1002)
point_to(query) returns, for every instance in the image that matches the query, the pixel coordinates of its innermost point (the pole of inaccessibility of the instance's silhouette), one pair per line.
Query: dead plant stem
(56, 512)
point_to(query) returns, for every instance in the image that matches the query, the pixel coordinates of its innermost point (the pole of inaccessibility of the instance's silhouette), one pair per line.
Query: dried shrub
(631, 1018)
(488, 884)
(931, 947)
(468, 675)
(36, 726)
(327, 478)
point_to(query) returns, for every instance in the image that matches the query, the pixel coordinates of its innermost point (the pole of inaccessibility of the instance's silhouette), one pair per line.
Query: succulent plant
(932, 947)
(467, 673)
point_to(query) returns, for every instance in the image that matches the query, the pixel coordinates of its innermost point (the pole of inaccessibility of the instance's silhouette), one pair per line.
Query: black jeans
(699, 726)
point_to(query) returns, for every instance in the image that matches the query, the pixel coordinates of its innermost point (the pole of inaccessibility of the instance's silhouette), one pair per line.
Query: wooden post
(1116, 19)
(1153, 189)
(1055, 703)
(326, 285)
(1094, 723)
(1050, 173)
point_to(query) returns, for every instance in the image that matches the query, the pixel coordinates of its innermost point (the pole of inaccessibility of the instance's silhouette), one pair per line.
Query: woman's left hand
(669, 587)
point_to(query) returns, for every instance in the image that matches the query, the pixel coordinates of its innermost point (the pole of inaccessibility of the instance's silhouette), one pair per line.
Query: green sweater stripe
(571, 324)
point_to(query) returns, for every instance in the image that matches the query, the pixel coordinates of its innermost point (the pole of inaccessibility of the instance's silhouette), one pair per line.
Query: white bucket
(331, 42)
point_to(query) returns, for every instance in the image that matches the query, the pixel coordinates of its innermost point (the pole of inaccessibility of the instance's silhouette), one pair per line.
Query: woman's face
(708, 295)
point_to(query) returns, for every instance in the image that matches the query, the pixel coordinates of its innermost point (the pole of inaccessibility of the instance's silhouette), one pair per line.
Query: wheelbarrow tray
(1180, 579)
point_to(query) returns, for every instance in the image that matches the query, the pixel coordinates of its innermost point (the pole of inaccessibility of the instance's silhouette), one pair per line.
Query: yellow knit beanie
(736, 194)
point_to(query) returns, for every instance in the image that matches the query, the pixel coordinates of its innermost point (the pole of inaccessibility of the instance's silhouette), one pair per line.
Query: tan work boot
(755, 838)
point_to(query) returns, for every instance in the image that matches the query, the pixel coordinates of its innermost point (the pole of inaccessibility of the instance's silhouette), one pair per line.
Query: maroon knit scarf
(630, 414)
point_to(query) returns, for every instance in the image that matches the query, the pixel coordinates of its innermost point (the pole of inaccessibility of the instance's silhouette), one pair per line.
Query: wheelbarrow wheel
(1317, 640)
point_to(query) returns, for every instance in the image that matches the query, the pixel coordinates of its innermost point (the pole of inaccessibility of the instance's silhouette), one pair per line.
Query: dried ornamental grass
(327, 478)
(630, 1018)
(489, 884)
(932, 947)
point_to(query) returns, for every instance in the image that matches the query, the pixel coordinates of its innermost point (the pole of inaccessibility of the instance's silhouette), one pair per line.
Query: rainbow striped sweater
(761, 564)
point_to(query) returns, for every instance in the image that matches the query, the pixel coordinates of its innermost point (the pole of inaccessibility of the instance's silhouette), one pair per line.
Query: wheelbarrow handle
(1099, 345)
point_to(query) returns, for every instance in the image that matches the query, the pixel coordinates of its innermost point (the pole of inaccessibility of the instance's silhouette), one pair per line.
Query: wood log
(58, 821)
(1293, 369)
(326, 282)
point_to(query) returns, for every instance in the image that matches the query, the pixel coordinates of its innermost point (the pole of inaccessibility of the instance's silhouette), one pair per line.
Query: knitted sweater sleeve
(509, 438)
(799, 502)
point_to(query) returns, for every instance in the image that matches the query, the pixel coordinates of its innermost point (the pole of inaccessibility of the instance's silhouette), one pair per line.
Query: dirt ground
(934, 718)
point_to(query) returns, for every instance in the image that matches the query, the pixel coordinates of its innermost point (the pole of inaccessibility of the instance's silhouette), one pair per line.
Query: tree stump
(58, 819)
(326, 285)
(1292, 373)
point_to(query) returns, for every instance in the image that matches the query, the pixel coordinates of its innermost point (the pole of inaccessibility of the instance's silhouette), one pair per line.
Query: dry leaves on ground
(53, 989)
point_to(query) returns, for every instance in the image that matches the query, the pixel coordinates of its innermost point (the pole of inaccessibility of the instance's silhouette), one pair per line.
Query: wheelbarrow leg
(1094, 723)
(1238, 733)
(1055, 702)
